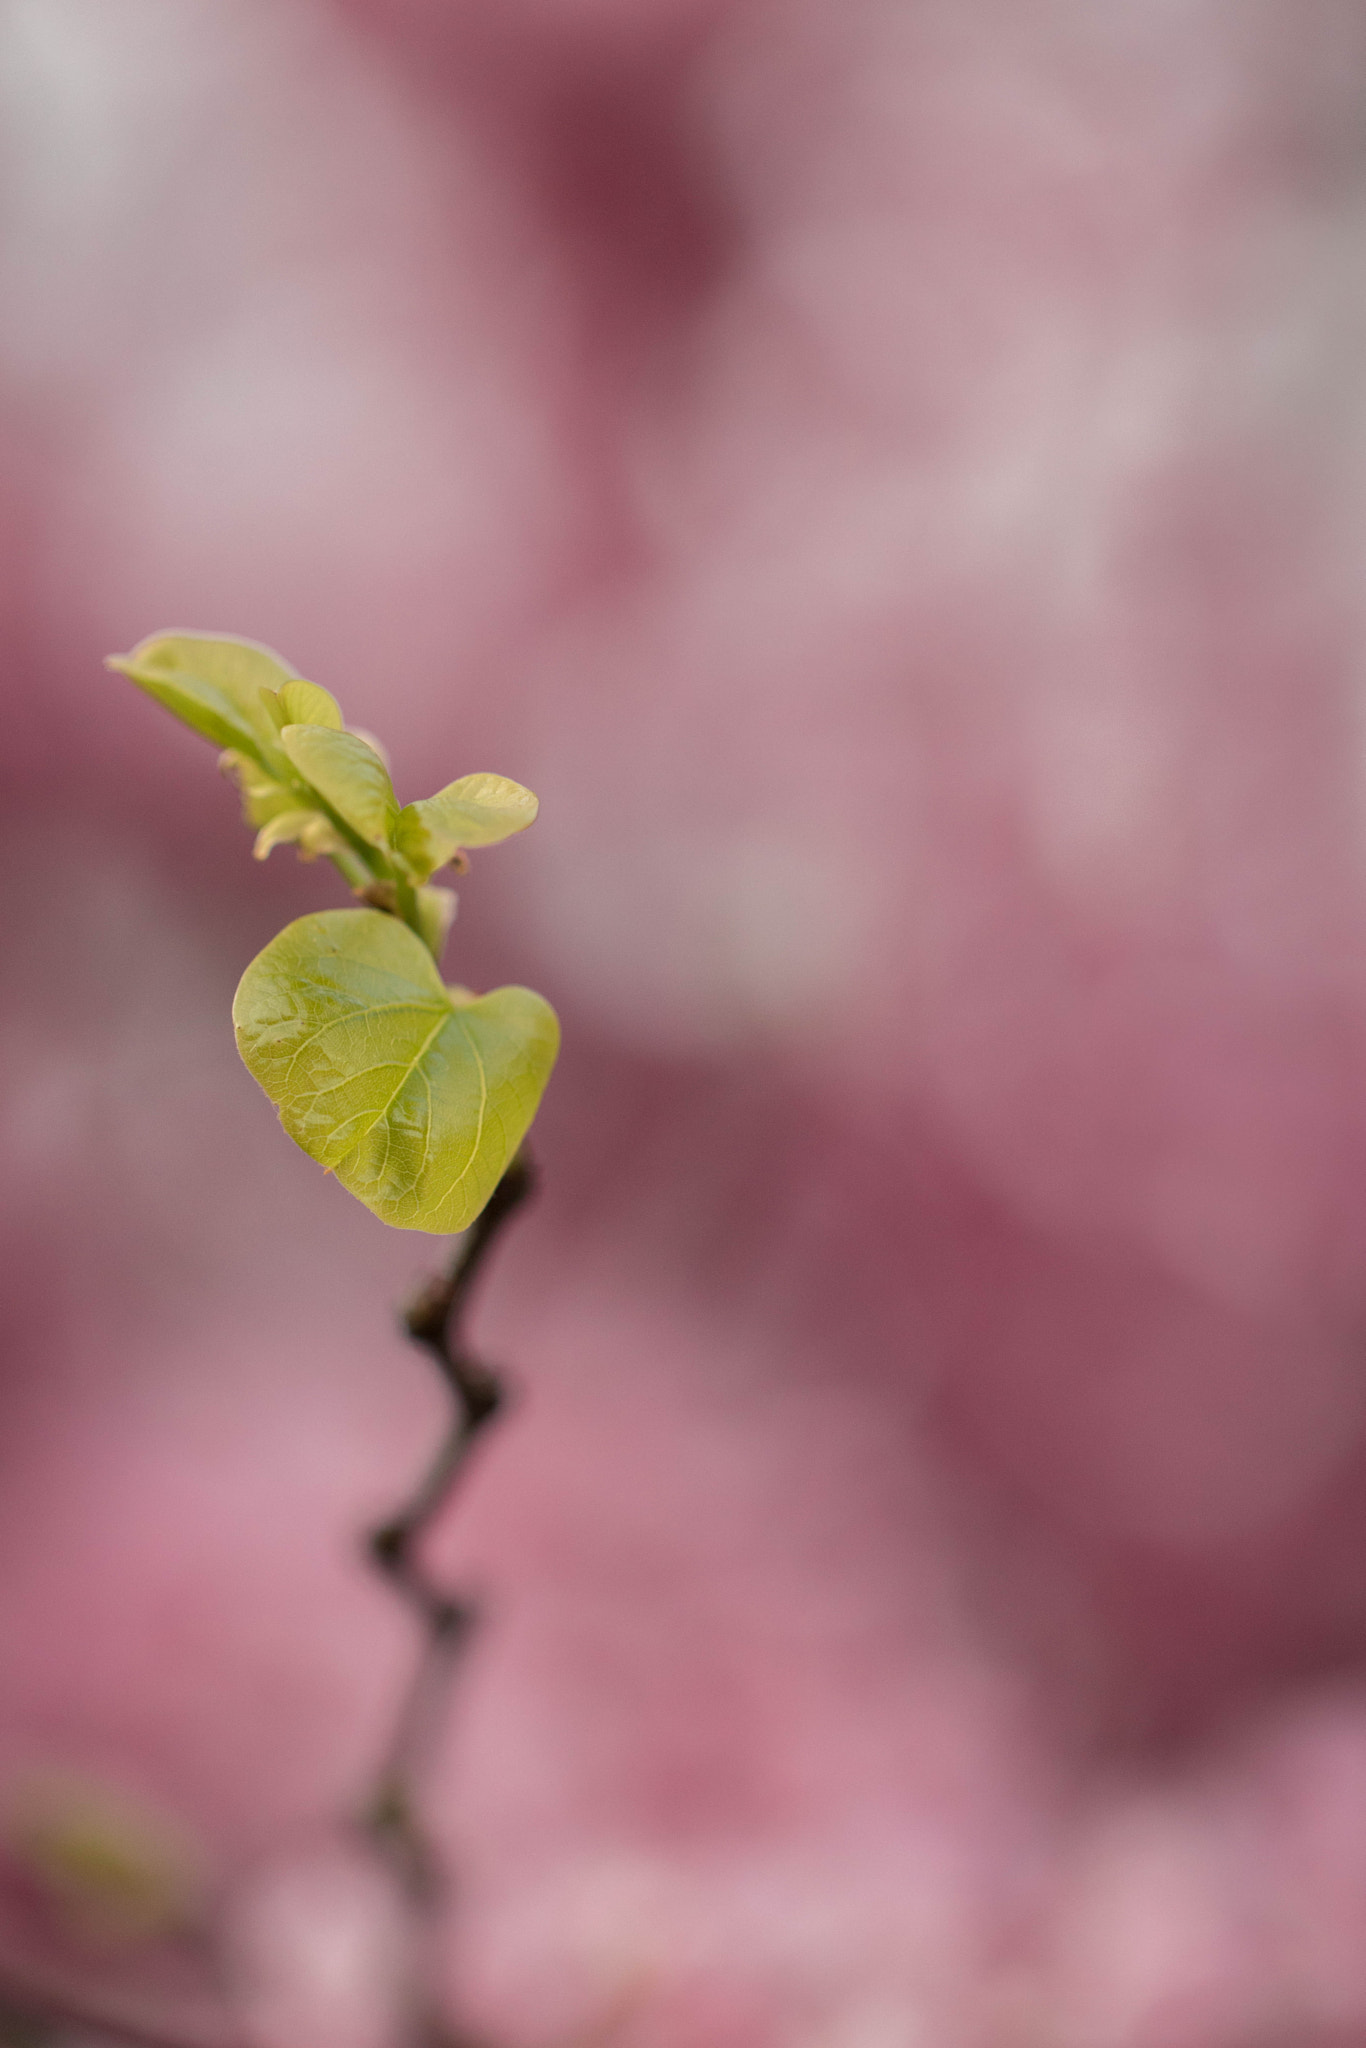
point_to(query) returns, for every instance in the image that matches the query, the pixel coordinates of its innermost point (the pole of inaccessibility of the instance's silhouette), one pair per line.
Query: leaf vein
(359, 1016)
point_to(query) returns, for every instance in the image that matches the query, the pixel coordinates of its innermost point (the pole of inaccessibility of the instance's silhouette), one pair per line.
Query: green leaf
(415, 1095)
(310, 831)
(436, 914)
(263, 796)
(304, 703)
(348, 774)
(478, 810)
(212, 683)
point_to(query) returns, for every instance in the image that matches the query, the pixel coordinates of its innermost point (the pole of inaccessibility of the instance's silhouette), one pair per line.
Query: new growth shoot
(415, 1093)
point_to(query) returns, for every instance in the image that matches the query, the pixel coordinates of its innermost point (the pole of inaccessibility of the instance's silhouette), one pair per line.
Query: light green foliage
(415, 1095)
(478, 810)
(435, 916)
(304, 703)
(213, 684)
(349, 776)
(310, 831)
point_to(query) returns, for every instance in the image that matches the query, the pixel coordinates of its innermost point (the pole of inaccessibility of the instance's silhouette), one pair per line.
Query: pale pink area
(891, 475)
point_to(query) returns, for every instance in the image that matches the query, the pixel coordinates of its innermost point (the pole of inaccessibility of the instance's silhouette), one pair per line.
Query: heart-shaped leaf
(212, 683)
(348, 773)
(478, 810)
(415, 1095)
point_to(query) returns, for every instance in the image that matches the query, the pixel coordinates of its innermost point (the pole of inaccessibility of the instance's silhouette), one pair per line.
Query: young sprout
(414, 1093)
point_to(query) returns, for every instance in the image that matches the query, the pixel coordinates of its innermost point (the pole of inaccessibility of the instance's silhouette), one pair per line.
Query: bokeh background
(891, 475)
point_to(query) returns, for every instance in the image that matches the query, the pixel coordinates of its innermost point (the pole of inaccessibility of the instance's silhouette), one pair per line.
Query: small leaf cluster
(414, 1093)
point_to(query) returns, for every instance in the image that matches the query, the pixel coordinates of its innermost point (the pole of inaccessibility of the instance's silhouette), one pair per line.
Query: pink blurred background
(891, 475)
